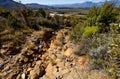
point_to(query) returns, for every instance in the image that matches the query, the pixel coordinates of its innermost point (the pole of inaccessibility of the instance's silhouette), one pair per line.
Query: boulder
(68, 52)
(23, 76)
(38, 71)
(49, 70)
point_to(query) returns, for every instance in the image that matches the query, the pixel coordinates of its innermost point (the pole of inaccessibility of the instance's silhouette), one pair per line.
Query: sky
(56, 1)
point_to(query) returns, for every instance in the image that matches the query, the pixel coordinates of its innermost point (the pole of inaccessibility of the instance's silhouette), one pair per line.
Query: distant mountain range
(75, 5)
(86, 4)
(78, 5)
(14, 5)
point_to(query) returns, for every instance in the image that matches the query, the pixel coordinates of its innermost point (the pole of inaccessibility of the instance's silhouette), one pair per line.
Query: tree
(30, 12)
(93, 15)
(41, 12)
(102, 16)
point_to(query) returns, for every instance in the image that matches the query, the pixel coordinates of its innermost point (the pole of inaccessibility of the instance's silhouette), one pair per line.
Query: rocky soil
(47, 55)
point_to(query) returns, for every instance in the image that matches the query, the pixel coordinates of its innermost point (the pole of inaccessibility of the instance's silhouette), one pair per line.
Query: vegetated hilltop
(36, 45)
(37, 6)
(9, 4)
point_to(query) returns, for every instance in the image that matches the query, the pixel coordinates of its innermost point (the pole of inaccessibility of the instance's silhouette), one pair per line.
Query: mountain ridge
(86, 4)
(73, 5)
(36, 5)
(11, 4)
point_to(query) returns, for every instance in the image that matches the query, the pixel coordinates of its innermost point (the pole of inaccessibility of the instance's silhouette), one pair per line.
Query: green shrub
(48, 23)
(114, 28)
(41, 12)
(103, 50)
(102, 16)
(30, 12)
(74, 20)
(88, 31)
(77, 32)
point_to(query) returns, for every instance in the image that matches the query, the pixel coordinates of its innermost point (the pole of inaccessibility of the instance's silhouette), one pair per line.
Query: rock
(18, 77)
(3, 51)
(29, 69)
(5, 46)
(52, 45)
(59, 48)
(37, 40)
(23, 76)
(68, 52)
(58, 43)
(1, 65)
(58, 60)
(11, 76)
(25, 59)
(6, 68)
(53, 57)
(49, 70)
(40, 46)
(33, 75)
(29, 52)
(65, 71)
(38, 71)
(59, 56)
(82, 60)
(36, 48)
(44, 77)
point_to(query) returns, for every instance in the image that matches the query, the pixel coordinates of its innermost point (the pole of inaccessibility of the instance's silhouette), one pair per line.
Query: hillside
(37, 6)
(43, 44)
(9, 4)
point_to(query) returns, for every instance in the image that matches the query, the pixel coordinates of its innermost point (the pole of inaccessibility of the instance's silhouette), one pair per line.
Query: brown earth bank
(47, 55)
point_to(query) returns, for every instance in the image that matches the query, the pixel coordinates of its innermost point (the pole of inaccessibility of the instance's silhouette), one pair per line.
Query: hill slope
(36, 6)
(9, 4)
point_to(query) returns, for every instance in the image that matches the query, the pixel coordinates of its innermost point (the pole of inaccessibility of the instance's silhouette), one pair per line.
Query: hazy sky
(56, 1)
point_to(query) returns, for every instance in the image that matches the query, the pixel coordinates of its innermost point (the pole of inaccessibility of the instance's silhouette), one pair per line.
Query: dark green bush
(77, 32)
(102, 16)
(41, 12)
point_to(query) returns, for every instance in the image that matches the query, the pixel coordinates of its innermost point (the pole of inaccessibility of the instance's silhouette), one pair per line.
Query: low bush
(89, 31)
(77, 31)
